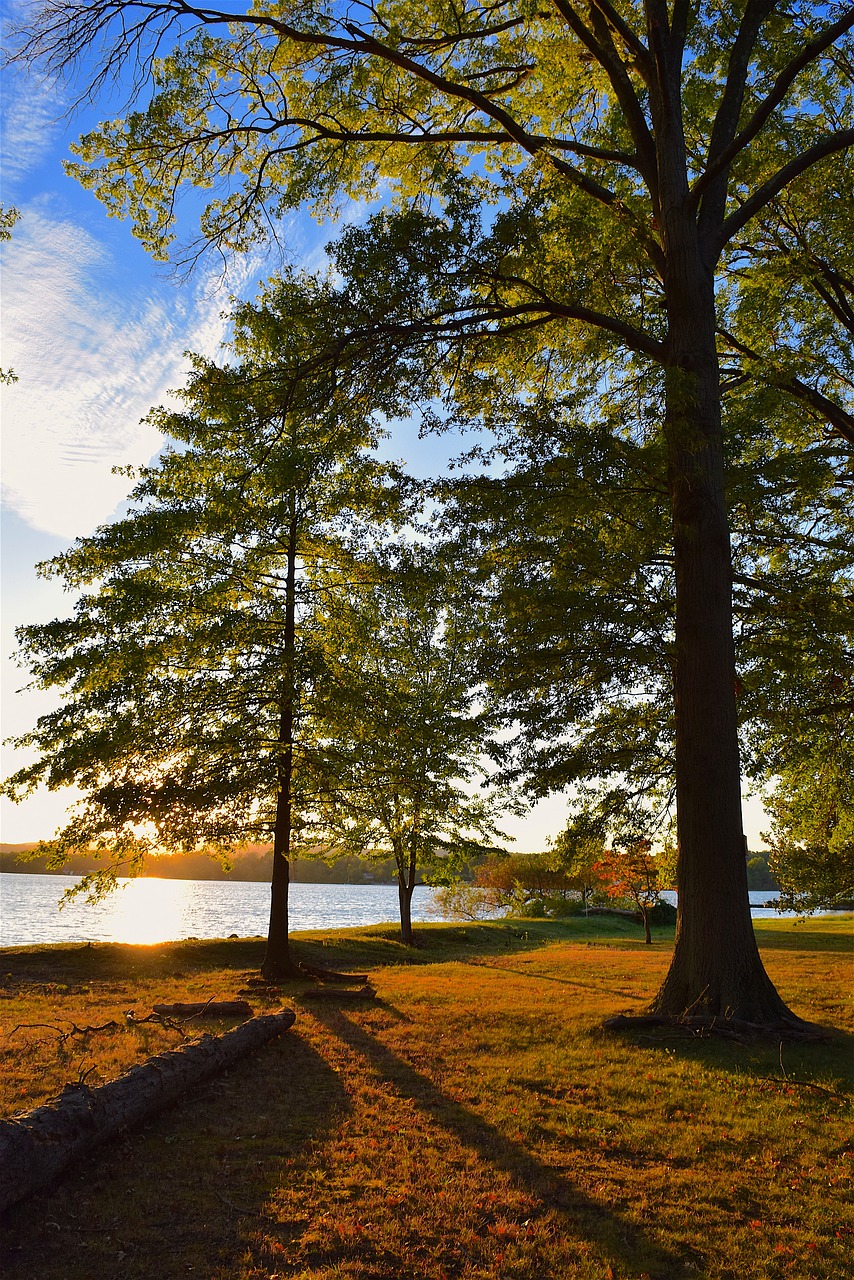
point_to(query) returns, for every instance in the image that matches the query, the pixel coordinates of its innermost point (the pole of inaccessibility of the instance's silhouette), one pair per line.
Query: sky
(96, 332)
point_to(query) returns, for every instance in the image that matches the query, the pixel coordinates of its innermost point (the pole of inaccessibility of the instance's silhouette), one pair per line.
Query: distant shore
(251, 863)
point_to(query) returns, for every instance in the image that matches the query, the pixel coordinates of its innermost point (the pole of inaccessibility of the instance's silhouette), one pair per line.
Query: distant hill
(254, 862)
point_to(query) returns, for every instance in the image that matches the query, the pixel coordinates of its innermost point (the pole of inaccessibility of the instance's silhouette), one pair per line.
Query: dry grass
(472, 1121)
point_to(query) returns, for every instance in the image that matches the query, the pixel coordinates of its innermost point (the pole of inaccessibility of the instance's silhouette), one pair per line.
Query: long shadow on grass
(614, 1235)
(564, 982)
(808, 938)
(183, 1195)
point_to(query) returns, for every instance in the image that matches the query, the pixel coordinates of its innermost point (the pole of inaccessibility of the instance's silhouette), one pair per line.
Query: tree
(530, 884)
(403, 737)
(631, 871)
(190, 665)
(812, 816)
(637, 159)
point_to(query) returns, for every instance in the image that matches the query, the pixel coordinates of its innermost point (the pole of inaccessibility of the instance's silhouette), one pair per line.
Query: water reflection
(153, 910)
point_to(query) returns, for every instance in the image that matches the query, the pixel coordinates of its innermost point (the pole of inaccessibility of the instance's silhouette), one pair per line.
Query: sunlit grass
(472, 1121)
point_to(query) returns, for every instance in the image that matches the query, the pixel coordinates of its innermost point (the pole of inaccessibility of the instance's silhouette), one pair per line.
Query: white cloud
(31, 118)
(93, 352)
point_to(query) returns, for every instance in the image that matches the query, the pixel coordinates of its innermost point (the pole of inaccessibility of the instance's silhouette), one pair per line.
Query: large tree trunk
(36, 1148)
(716, 968)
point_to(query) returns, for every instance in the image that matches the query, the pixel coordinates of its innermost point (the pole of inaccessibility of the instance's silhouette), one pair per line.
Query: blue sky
(96, 331)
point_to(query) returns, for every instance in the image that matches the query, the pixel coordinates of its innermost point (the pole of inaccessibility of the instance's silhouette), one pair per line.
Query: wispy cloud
(31, 119)
(92, 353)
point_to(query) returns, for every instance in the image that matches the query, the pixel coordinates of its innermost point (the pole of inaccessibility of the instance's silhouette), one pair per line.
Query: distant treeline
(254, 862)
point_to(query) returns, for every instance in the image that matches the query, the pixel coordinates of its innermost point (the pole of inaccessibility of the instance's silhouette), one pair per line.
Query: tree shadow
(791, 1064)
(177, 1197)
(619, 1240)
(596, 987)
(812, 938)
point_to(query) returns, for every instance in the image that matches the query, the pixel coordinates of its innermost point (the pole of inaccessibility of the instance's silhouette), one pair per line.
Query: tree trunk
(35, 1148)
(716, 969)
(278, 963)
(404, 897)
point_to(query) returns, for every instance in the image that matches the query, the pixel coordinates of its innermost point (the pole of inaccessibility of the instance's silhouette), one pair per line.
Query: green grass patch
(473, 1121)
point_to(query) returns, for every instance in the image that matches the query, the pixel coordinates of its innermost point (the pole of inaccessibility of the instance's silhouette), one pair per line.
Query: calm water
(152, 910)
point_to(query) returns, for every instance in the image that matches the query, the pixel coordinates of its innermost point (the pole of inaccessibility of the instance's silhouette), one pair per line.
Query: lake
(152, 910)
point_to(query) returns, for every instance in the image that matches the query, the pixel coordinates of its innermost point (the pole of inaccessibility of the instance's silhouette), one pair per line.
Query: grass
(472, 1121)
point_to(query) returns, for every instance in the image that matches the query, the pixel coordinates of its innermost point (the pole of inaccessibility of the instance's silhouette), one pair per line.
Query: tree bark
(278, 963)
(716, 969)
(404, 897)
(36, 1148)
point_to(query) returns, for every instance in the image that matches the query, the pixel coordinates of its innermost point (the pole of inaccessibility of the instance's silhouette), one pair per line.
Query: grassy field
(472, 1120)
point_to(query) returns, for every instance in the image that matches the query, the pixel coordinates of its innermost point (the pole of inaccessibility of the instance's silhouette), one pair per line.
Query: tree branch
(614, 67)
(717, 163)
(839, 419)
(828, 146)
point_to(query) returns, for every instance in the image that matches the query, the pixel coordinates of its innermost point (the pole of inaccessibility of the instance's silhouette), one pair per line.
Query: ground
(470, 1120)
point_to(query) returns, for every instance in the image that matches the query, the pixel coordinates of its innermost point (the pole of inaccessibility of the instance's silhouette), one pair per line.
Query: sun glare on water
(146, 910)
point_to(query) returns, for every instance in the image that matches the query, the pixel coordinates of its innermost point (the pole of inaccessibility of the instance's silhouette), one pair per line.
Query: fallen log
(35, 1148)
(329, 975)
(206, 1009)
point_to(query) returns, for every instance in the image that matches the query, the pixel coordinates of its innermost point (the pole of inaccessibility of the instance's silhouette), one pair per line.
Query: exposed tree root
(737, 1029)
(329, 975)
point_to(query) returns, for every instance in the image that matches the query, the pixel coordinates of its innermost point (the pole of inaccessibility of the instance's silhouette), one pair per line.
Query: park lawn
(472, 1120)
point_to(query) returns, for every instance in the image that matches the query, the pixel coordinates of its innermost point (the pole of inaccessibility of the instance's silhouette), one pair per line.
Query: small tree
(631, 871)
(812, 824)
(398, 716)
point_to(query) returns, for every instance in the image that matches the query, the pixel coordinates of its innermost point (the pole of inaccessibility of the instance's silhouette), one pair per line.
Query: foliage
(175, 666)
(631, 872)
(582, 609)
(9, 215)
(812, 813)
